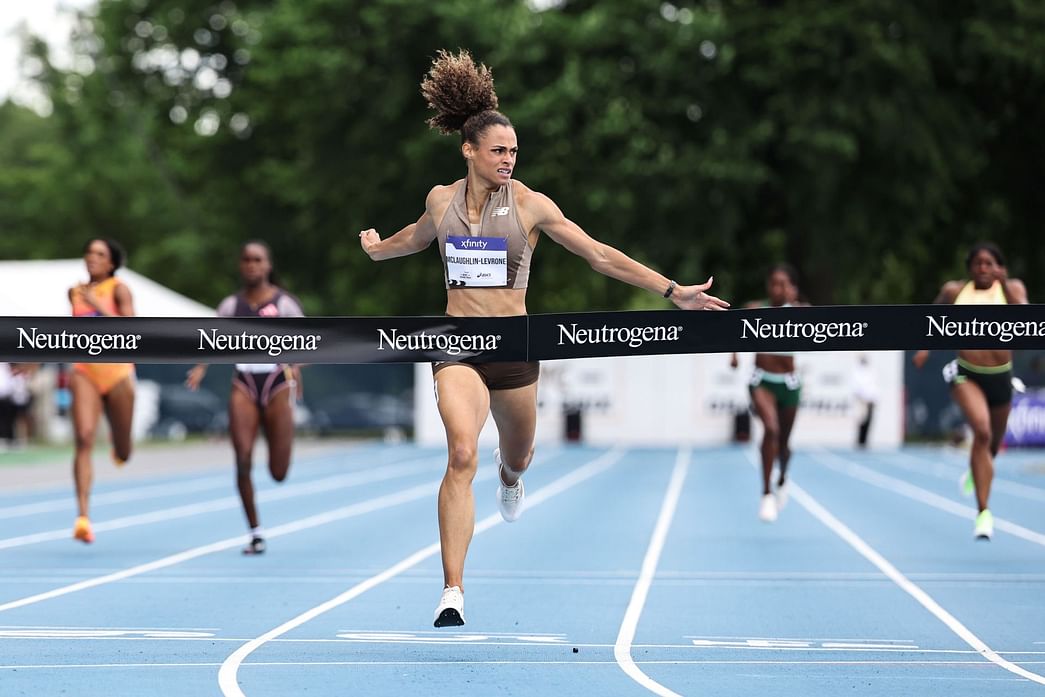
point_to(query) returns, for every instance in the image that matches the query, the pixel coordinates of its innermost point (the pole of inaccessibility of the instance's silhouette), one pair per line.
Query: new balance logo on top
(502, 210)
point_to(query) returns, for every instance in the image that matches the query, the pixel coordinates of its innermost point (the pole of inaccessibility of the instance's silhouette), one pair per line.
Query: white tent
(41, 289)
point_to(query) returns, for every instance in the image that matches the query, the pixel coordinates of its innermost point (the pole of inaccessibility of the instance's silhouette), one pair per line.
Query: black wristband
(670, 290)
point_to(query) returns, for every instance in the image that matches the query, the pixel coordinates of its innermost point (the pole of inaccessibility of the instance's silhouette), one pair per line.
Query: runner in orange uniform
(99, 388)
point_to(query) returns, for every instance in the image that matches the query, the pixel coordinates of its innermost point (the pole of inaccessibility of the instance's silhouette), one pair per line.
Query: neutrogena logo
(819, 332)
(632, 336)
(450, 344)
(273, 345)
(1004, 331)
(93, 343)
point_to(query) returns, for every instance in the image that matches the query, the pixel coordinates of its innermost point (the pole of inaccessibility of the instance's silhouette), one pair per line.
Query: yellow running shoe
(116, 459)
(82, 530)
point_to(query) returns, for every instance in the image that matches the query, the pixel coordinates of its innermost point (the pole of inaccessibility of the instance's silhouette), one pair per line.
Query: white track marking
(450, 664)
(127, 492)
(224, 503)
(924, 599)
(356, 509)
(227, 675)
(137, 493)
(630, 623)
(917, 463)
(899, 486)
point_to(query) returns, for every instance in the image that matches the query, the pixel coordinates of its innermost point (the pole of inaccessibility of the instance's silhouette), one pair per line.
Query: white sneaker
(984, 528)
(509, 498)
(450, 611)
(782, 495)
(767, 510)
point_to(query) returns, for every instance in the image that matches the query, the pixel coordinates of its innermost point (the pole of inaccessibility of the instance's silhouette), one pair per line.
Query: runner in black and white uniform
(263, 394)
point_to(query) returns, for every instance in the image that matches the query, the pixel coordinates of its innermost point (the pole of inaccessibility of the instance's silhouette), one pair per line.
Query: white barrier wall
(692, 399)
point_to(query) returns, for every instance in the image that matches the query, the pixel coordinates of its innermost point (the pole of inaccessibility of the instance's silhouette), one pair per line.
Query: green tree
(869, 143)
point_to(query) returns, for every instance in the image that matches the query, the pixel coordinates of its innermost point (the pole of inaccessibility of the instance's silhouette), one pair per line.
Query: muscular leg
(243, 428)
(464, 403)
(515, 413)
(787, 422)
(86, 410)
(765, 407)
(119, 408)
(999, 416)
(973, 403)
(279, 432)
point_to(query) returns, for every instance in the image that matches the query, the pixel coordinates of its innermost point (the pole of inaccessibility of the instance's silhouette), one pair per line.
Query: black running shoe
(450, 612)
(256, 546)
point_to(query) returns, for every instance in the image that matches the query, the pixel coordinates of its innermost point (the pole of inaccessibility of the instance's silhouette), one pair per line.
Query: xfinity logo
(263, 343)
(471, 243)
(1002, 331)
(93, 344)
(819, 332)
(632, 336)
(451, 344)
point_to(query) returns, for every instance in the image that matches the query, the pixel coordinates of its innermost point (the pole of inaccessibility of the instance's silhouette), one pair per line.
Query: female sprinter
(488, 205)
(262, 393)
(981, 380)
(98, 388)
(776, 390)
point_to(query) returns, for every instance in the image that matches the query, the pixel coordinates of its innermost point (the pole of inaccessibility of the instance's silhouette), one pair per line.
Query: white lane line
(899, 486)
(356, 509)
(224, 503)
(508, 662)
(909, 587)
(861, 580)
(123, 495)
(130, 629)
(630, 623)
(161, 580)
(227, 675)
(783, 638)
(923, 465)
(148, 491)
(529, 643)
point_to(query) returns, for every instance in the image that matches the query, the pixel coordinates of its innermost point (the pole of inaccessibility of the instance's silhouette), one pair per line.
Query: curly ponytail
(461, 94)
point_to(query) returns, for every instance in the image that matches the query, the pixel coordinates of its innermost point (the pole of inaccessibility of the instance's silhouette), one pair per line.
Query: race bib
(477, 262)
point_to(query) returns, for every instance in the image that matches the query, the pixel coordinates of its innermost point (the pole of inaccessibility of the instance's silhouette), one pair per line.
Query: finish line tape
(522, 338)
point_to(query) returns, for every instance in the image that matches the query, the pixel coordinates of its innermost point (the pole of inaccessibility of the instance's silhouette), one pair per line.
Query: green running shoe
(967, 484)
(984, 525)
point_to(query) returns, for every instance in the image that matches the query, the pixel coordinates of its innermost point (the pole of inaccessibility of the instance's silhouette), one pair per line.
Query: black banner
(262, 340)
(822, 328)
(534, 337)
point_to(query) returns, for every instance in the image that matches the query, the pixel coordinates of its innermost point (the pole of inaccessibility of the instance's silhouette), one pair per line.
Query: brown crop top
(497, 256)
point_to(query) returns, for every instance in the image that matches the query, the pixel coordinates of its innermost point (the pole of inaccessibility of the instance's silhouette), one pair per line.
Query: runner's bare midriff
(986, 358)
(486, 302)
(775, 364)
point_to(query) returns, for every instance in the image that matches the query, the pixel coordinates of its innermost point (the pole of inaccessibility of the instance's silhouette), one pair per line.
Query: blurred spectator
(7, 406)
(866, 393)
(22, 398)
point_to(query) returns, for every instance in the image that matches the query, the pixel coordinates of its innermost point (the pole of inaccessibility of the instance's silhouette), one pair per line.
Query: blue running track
(631, 572)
